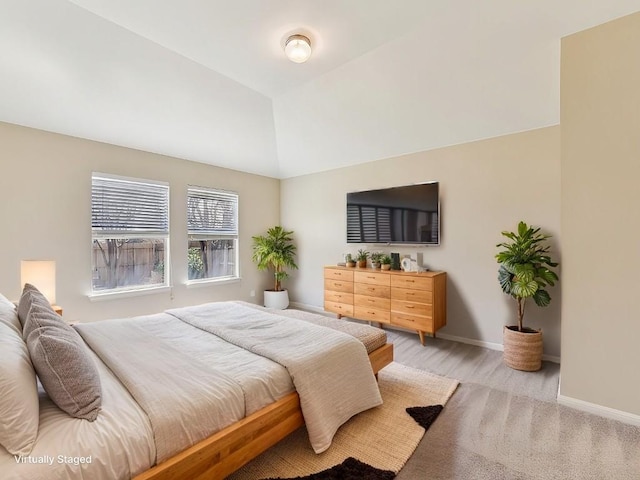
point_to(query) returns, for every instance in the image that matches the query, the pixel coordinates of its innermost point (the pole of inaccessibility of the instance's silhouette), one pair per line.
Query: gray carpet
(502, 424)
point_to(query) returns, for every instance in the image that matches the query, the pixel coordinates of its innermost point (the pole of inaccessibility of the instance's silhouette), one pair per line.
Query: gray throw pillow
(45, 316)
(62, 362)
(30, 295)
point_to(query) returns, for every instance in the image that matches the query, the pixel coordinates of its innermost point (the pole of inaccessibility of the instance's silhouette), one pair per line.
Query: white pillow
(4, 300)
(19, 407)
(8, 313)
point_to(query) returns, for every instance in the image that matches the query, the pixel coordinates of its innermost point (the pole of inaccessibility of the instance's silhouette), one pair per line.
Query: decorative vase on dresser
(412, 300)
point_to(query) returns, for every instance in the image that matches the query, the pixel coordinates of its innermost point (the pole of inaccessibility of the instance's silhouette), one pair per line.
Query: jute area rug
(383, 437)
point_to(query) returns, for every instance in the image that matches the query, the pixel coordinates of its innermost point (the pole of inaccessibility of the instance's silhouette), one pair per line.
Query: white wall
(425, 89)
(67, 70)
(600, 223)
(486, 187)
(45, 212)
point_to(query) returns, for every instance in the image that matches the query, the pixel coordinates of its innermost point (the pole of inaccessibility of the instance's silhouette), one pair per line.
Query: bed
(123, 441)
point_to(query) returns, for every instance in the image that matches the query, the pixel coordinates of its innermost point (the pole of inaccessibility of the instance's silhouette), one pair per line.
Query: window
(212, 223)
(130, 233)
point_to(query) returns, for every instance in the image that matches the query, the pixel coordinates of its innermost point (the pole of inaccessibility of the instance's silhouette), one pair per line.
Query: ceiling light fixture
(297, 48)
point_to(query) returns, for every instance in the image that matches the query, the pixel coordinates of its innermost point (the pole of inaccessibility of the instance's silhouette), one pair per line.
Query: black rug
(350, 469)
(353, 469)
(425, 416)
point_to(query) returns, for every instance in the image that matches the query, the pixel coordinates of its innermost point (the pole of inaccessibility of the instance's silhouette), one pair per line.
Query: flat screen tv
(408, 214)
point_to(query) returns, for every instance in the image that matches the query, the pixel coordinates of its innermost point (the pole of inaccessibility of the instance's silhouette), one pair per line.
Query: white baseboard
(309, 308)
(453, 338)
(492, 346)
(471, 341)
(599, 410)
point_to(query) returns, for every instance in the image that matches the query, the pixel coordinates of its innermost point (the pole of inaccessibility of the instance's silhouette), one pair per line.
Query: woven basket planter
(522, 350)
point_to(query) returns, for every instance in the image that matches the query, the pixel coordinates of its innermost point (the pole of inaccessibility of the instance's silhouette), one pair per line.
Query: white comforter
(180, 376)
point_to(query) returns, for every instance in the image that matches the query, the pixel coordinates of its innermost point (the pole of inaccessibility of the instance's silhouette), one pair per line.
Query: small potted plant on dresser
(275, 251)
(348, 259)
(375, 259)
(361, 258)
(385, 262)
(524, 273)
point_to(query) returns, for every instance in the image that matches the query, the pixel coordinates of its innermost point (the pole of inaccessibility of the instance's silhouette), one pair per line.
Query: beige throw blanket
(330, 369)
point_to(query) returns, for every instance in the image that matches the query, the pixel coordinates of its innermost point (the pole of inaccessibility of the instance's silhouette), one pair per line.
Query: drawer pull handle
(409, 306)
(370, 277)
(338, 284)
(411, 281)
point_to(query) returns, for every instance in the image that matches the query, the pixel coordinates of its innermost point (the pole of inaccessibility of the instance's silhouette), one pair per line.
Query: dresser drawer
(371, 278)
(412, 281)
(338, 297)
(338, 285)
(339, 308)
(372, 314)
(380, 291)
(409, 295)
(337, 274)
(424, 324)
(412, 308)
(373, 302)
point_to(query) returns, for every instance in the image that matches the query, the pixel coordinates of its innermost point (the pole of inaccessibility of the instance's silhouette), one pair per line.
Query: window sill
(96, 297)
(212, 281)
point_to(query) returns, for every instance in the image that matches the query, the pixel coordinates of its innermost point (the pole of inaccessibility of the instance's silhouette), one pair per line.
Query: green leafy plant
(524, 270)
(362, 255)
(349, 261)
(385, 260)
(376, 257)
(275, 251)
(195, 263)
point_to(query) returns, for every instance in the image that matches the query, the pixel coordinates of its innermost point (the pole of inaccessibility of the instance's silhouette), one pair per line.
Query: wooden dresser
(417, 301)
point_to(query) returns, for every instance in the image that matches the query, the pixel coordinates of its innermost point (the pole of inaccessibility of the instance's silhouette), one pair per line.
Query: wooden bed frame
(226, 451)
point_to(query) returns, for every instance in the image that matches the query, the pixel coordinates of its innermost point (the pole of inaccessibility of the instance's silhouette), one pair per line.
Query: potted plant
(275, 251)
(361, 258)
(375, 259)
(349, 261)
(385, 262)
(524, 273)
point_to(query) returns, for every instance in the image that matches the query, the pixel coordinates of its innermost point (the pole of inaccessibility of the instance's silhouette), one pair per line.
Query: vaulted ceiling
(207, 80)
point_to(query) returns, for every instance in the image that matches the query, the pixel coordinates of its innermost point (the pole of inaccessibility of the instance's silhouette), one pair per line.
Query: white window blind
(128, 207)
(212, 213)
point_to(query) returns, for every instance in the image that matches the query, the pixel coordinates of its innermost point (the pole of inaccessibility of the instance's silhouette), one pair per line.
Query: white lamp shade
(42, 275)
(298, 48)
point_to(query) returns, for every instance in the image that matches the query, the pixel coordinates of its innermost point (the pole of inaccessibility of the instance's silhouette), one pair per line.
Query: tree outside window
(212, 219)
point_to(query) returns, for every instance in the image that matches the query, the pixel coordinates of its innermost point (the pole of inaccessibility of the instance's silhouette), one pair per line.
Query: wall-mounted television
(408, 214)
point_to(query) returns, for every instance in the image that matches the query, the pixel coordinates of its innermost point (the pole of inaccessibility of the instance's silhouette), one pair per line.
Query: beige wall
(600, 119)
(45, 213)
(486, 187)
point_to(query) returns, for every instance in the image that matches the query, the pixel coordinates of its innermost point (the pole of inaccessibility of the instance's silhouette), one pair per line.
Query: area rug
(378, 441)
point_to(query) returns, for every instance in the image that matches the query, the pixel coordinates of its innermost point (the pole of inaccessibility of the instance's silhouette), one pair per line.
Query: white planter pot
(277, 300)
